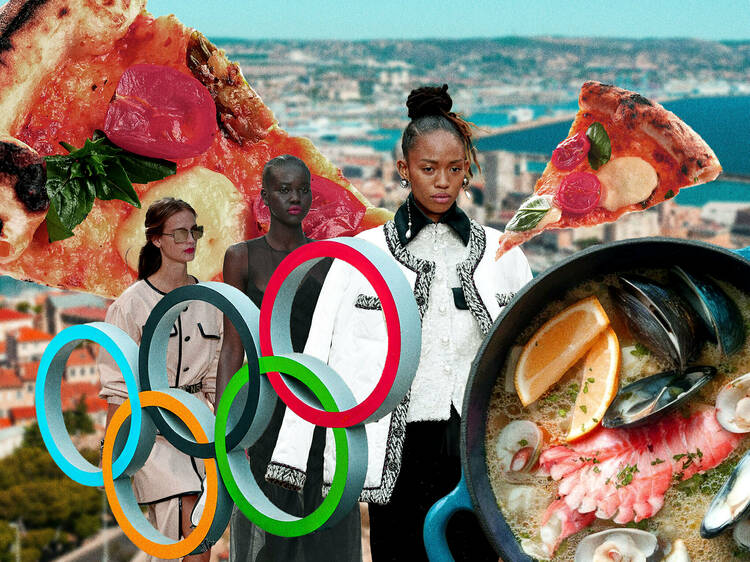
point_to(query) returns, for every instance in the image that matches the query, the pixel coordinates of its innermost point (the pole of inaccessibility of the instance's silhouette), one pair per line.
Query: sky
(418, 19)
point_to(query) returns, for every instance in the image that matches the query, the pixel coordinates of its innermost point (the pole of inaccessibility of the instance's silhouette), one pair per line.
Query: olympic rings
(245, 407)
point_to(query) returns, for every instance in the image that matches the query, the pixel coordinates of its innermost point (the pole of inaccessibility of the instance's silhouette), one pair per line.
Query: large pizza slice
(623, 153)
(61, 64)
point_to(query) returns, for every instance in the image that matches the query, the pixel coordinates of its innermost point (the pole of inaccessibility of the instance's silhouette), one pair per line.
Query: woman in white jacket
(459, 289)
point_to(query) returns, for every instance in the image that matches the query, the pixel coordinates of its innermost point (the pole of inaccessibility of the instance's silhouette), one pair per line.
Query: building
(81, 366)
(12, 320)
(26, 344)
(57, 302)
(11, 392)
(11, 437)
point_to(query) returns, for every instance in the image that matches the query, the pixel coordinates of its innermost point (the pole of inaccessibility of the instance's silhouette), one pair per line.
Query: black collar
(454, 217)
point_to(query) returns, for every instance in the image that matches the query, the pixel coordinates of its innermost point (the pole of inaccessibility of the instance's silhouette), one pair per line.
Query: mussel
(741, 534)
(518, 446)
(718, 313)
(619, 544)
(733, 405)
(658, 318)
(638, 402)
(731, 503)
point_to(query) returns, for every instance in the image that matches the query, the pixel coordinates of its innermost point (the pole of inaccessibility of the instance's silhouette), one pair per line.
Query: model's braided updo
(430, 110)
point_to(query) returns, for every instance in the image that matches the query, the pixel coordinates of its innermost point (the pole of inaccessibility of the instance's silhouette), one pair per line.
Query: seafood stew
(530, 304)
(663, 455)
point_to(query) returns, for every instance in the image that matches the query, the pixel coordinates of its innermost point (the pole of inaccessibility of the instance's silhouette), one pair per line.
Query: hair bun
(429, 100)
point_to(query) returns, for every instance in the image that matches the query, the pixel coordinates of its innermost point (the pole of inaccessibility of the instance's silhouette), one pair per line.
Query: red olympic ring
(368, 406)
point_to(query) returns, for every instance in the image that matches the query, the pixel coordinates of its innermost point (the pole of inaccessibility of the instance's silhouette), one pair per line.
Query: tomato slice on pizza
(69, 68)
(623, 153)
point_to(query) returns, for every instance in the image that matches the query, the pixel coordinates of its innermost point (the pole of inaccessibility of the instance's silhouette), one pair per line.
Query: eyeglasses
(180, 235)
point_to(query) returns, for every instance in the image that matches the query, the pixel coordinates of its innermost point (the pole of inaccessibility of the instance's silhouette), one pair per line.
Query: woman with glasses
(170, 481)
(248, 266)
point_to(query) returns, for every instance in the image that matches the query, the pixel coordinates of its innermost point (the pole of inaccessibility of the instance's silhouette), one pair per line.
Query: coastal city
(348, 98)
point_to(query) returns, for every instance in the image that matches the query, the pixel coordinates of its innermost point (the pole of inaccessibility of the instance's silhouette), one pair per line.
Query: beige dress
(192, 359)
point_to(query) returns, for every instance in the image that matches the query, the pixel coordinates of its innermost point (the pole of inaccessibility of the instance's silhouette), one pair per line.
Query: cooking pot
(474, 491)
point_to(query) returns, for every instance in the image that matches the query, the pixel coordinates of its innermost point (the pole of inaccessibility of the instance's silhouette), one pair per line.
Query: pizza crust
(630, 110)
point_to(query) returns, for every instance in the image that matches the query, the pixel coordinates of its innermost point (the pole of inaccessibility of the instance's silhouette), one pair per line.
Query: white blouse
(450, 336)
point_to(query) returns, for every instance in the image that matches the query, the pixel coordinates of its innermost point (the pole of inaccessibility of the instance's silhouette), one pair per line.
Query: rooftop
(25, 334)
(9, 379)
(88, 313)
(21, 413)
(9, 314)
(81, 356)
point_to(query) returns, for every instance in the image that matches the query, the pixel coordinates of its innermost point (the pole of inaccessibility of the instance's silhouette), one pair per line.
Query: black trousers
(430, 469)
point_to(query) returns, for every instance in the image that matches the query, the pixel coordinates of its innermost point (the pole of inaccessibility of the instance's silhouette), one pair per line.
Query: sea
(724, 122)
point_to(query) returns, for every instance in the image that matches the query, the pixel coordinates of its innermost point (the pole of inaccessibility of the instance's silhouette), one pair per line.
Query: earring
(466, 188)
(406, 184)
(408, 214)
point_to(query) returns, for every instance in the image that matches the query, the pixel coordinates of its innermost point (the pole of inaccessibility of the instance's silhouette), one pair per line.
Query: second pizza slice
(623, 153)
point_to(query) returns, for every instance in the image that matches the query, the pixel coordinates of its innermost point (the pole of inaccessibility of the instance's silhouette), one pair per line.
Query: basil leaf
(141, 169)
(530, 213)
(116, 185)
(56, 230)
(99, 169)
(601, 148)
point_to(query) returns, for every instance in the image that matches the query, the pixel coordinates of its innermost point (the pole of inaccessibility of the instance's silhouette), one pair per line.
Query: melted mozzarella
(625, 181)
(220, 207)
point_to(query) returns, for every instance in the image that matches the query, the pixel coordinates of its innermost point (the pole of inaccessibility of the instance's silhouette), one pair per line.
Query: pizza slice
(61, 64)
(623, 153)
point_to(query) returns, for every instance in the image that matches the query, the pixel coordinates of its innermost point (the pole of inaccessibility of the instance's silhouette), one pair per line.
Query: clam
(640, 401)
(741, 534)
(658, 318)
(718, 313)
(518, 446)
(631, 545)
(678, 552)
(733, 405)
(731, 503)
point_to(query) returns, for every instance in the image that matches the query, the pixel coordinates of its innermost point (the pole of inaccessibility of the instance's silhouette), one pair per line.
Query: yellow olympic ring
(159, 545)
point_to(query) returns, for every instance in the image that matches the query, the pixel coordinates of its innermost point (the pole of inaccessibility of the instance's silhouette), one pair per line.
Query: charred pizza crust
(632, 111)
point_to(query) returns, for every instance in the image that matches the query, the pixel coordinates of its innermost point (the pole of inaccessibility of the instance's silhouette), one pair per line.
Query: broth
(523, 498)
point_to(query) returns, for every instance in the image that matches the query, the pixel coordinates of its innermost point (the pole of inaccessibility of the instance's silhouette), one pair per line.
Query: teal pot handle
(744, 252)
(436, 522)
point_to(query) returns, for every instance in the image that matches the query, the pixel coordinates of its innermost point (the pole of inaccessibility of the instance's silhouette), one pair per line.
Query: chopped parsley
(656, 461)
(625, 476)
(640, 350)
(583, 408)
(523, 442)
